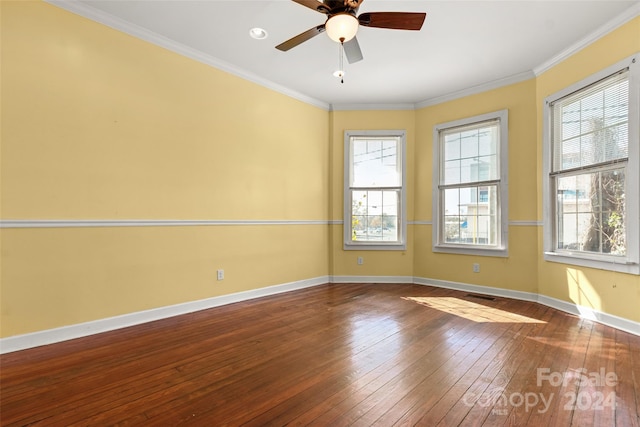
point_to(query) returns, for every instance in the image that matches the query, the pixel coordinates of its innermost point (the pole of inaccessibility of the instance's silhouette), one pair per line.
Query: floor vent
(481, 297)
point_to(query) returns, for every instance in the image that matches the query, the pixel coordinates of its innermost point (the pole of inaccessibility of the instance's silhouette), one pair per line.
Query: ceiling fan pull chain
(340, 71)
(341, 52)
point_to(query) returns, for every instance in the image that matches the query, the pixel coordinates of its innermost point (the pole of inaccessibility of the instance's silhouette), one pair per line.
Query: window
(374, 196)
(470, 185)
(591, 171)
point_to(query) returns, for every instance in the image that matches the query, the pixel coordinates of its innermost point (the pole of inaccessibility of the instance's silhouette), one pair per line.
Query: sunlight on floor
(471, 310)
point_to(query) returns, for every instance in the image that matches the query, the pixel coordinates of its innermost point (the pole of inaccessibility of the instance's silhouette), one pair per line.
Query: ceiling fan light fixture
(342, 27)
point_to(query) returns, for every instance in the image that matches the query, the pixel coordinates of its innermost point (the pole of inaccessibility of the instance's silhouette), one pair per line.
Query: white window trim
(631, 263)
(349, 244)
(503, 249)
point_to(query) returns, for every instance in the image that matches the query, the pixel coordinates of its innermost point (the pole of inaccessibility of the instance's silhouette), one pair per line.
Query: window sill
(613, 264)
(375, 247)
(471, 250)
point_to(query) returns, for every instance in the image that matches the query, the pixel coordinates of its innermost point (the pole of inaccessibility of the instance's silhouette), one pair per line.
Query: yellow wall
(607, 291)
(518, 271)
(97, 124)
(100, 125)
(376, 263)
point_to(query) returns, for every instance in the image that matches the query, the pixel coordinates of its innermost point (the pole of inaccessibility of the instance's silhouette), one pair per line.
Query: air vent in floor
(481, 297)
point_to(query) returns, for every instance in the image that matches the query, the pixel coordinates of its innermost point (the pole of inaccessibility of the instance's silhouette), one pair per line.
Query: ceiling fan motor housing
(337, 6)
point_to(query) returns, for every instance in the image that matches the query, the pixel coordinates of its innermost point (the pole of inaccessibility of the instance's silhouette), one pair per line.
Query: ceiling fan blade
(352, 51)
(393, 20)
(314, 4)
(300, 38)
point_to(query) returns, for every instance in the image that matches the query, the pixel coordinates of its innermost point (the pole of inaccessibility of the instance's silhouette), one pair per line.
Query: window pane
(591, 127)
(484, 230)
(591, 212)
(374, 203)
(481, 219)
(487, 142)
(375, 162)
(375, 215)
(452, 226)
(471, 155)
(471, 215)
(451, 201)
(452, 146)
(468, 170)
(469, 144)
(452, 215)
(452, 172)
(571, 121)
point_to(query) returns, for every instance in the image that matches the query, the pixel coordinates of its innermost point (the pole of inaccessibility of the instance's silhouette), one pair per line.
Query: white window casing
(591, 171)
(470, 185)
(375, 215)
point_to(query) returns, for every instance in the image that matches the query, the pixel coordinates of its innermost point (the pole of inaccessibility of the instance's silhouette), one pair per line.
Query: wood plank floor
(348, 354)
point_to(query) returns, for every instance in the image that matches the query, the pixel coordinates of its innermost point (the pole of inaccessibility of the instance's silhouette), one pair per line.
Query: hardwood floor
(355, 354)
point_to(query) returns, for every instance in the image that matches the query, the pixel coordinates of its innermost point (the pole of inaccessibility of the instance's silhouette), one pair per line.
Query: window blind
(591, 127)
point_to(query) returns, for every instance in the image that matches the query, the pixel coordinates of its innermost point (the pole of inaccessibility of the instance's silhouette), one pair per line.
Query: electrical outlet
(476, 268)
(360, 260)
(220, 274)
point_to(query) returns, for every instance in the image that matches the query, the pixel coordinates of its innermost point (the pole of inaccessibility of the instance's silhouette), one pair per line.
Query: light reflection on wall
(582, 292)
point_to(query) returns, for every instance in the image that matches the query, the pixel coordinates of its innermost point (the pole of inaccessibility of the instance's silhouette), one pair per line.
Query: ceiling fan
(342, 24)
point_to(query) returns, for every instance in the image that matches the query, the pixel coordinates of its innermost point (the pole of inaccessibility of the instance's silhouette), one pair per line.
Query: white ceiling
(462, 44)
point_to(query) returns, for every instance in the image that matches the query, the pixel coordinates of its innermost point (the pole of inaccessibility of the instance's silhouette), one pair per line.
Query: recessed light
(258, 33)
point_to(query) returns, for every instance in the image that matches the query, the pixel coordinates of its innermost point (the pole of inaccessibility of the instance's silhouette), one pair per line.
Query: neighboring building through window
(591, 171)
(470, 185)
(374, 194)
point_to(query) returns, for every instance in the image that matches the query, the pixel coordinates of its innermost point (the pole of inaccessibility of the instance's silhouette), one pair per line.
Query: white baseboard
(485, 290)
(568, 307)
(372, 279)
(589, 313)
(50, 336)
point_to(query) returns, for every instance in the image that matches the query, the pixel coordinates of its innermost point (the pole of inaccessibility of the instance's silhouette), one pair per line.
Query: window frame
(501, 249)
(401, 243)
(629, 263)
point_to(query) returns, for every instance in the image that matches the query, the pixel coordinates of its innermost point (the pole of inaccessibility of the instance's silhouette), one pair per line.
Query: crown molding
(600, 32)
(104, 18)
(139, 32)
(473, 90)
(370, 107)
